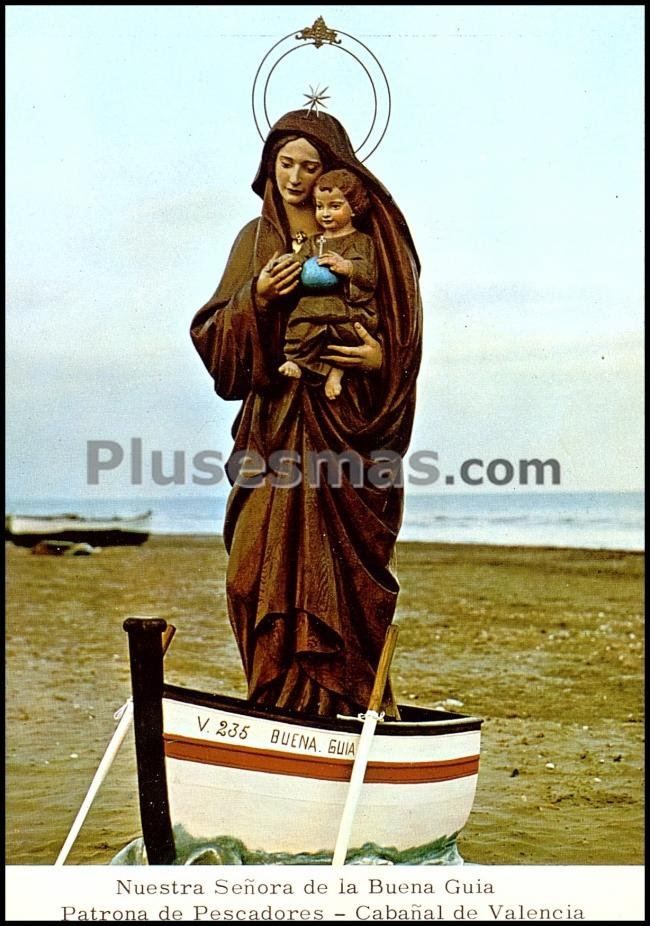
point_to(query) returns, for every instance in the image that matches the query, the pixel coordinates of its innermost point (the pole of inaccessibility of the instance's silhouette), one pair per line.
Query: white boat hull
(27, 530)
(279, 783)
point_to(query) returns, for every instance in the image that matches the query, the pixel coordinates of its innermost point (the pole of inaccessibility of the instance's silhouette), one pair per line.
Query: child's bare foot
(289, 368)
(333, 383)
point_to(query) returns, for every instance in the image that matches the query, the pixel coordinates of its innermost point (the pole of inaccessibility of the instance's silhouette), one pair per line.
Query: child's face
(333, 212)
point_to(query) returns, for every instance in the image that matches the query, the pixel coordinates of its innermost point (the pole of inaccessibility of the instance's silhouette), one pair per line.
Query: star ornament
(315, 99)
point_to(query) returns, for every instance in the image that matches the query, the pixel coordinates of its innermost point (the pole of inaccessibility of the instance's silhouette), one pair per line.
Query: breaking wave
(226, 850)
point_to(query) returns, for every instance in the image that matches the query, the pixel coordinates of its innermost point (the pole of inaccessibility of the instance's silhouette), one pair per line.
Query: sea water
(588, 520)
(226, 850)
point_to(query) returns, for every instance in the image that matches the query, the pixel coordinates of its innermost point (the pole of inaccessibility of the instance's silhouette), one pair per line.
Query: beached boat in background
(278, 780)
(28, 530)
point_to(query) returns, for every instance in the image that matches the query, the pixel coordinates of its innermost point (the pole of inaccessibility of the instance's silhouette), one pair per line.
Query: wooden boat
(28, 530)
(277, 780)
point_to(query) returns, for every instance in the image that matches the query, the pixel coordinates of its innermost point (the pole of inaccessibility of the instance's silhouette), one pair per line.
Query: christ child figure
(338, 282)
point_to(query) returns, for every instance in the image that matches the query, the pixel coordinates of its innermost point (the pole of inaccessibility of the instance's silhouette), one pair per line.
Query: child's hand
(336, 263)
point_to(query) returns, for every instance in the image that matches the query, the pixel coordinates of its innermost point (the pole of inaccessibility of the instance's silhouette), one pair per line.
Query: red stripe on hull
(301, 766)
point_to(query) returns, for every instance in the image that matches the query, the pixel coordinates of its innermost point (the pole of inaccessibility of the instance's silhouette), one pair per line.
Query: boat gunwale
(450, 723)
(71, 516)
(128, 523)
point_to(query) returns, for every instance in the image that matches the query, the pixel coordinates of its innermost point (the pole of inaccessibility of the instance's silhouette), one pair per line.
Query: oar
(125, 716)
(370, 719)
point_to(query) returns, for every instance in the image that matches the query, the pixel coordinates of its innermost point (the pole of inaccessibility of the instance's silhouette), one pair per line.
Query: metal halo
(374, 91)
(318, 42)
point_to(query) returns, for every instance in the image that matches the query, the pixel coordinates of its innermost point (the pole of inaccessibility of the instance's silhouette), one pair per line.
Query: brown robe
(309, 585)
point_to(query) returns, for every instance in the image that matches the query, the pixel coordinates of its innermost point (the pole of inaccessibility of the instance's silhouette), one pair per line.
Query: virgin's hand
(278, 277)
(367, 356)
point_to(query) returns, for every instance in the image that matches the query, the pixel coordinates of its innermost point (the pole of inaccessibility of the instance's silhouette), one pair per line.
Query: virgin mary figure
(310, 588)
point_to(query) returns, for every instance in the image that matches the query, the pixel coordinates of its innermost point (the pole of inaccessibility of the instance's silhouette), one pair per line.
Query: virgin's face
(297, 168)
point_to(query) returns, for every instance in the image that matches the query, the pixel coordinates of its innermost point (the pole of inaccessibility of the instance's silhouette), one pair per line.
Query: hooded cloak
(309, 586)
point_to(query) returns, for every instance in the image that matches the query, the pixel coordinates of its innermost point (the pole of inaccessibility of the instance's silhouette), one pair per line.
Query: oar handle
(167, 637)
(385, 660)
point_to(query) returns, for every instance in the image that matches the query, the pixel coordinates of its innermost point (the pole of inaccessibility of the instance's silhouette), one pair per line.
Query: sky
(514, 148)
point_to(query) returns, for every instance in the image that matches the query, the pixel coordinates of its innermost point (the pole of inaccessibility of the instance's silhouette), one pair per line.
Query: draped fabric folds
(309, 585)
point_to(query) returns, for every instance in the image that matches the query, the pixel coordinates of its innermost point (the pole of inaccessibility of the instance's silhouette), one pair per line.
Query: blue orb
(314, 276)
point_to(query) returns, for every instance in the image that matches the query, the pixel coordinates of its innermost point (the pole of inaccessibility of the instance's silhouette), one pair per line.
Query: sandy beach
(545, 644)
